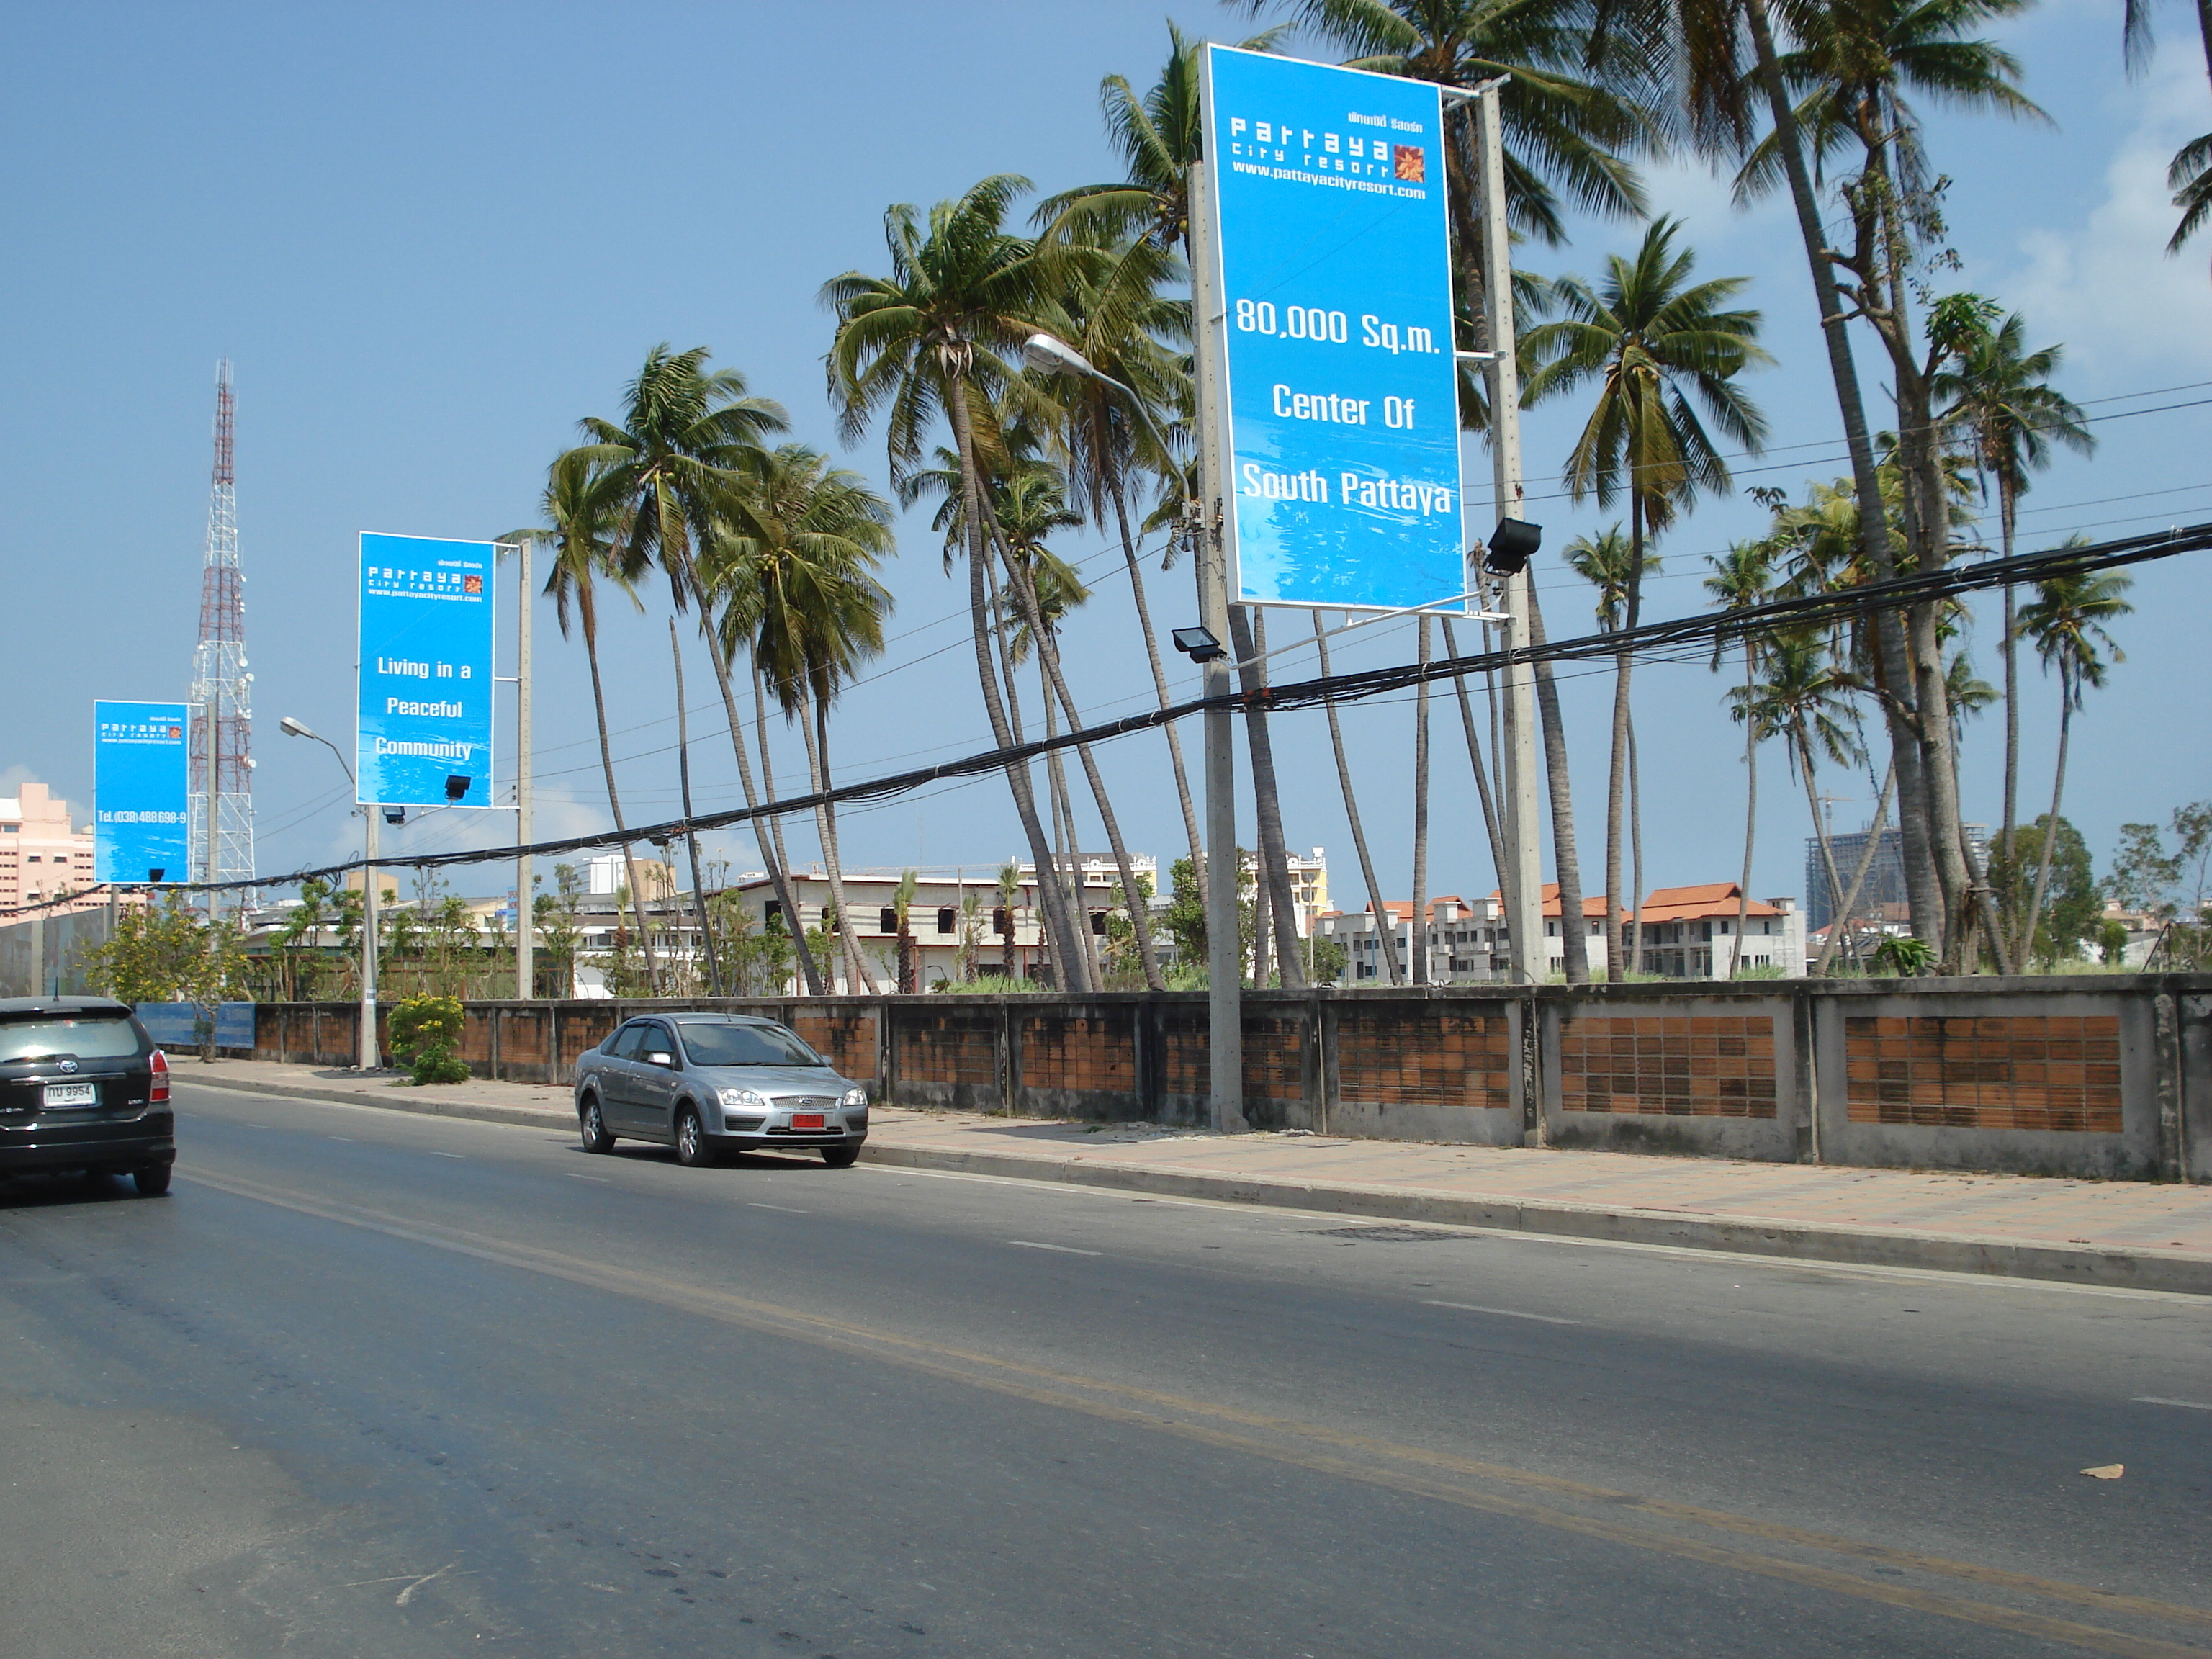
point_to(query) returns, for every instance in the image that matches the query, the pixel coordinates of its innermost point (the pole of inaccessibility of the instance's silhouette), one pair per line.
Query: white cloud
(2106, 285)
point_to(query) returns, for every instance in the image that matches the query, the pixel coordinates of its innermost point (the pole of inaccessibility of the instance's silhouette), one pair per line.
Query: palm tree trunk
(1048, 651)
(814, 729)
(591, 631)
(1574, 927)
(1842, 922)
(1820, 834)
(1267, 805)
(2050, 827)
(1160, 689)
(690, 836)
(1616, 786)
(778, 872)
(1635, 850)
(1474, 760)
(1389, 939)
(2010, 649)
(1019, 780)
(1873, 524)
(768, 763)
(1262, 935)
(1750, 804)
(1421, 955)
(1067, 846)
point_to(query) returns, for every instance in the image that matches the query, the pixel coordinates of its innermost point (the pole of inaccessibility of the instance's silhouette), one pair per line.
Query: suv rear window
(89, 1036)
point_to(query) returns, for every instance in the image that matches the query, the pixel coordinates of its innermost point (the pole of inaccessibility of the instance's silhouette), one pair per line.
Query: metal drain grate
(1387, 1235)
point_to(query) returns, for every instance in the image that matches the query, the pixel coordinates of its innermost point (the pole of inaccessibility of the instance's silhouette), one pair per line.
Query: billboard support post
(525, 961)
(1523, 887)
(1224, 968)
(365, 1048)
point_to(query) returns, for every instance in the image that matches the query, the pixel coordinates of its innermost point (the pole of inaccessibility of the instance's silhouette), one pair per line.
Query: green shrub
(425, 1031)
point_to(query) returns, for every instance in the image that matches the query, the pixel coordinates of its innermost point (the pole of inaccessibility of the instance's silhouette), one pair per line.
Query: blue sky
(432, 237)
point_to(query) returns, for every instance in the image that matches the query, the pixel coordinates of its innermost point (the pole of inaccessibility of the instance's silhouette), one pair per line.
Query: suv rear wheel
(152, 1181)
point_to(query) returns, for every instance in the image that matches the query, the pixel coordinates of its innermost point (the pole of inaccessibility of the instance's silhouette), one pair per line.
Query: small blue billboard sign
(1340, 409)
(423, 736)
(141, 816)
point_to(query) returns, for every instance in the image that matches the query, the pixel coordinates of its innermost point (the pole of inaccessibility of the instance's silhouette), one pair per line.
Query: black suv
(83, 1087)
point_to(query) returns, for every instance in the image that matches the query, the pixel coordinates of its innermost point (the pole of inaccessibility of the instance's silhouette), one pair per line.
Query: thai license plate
(72, 1094)
(806, 1120)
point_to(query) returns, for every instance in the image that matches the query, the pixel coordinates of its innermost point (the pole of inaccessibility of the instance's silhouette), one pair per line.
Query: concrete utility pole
(1225, 1005)
(525, 873)
(1524, 882)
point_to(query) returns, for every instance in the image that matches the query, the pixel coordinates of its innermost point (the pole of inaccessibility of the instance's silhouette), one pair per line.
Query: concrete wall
(2101, 1077)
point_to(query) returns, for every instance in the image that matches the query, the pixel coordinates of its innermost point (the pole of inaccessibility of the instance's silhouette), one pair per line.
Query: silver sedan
(705, 1084)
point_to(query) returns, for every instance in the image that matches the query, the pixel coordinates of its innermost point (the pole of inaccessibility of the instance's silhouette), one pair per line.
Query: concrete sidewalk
(2116, 1233)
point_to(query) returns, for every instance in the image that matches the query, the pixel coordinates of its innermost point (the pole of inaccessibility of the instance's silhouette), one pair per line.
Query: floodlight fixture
(395, 815)
(1199, 644)
(1512, 544)
(457, 785)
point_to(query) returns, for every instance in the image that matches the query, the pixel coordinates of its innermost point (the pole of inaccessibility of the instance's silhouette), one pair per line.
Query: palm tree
(1571, 106)
(2190, 178)
(2067, 623)
(903, 910)
(793, 566)
(1606, 563)
(677, 461)
(1999, 396)
(1743, 577)
(1374, 903)
(1658, 348)
(582, 504)
(1803, 697)
(926, 340)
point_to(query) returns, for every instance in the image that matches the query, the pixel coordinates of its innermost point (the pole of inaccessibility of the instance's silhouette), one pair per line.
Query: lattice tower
(221, 690)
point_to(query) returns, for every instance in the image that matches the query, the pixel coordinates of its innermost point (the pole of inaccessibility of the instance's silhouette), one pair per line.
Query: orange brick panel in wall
(1080, 1051)
(1679, 1065)
(2019, 1072)
(1185, 1069)
(579, 1032)
(1274, 1048)
(847, 1041)
(1391, 1059)
(948, 1048)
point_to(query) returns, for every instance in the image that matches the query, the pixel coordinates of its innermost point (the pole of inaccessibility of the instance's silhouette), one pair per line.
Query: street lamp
(365, 1050)
(1043, 354)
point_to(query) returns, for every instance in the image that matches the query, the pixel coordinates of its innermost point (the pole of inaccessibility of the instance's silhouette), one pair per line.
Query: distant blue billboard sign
(141, 825)
(423, 737)
(1341, 404)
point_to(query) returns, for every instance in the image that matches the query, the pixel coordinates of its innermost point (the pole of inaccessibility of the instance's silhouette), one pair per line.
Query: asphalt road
(368, 1382)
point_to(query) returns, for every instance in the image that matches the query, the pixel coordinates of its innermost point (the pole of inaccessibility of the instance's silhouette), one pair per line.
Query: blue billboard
(422, 736)
(1341, 423)
(141, 816)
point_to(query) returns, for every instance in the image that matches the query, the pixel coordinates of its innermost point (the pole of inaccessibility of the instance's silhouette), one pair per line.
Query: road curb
(1962, 1253)
(2187, 1273)
(528, 1117)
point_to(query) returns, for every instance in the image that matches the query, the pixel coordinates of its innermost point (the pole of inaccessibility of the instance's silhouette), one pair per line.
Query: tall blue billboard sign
(1340, 408)
(141, 815)
(423, 734)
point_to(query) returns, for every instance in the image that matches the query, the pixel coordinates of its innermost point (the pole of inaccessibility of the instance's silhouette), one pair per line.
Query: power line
(1651, 639)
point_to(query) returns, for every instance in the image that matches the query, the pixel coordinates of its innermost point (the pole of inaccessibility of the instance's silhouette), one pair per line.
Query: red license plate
(806, 1120)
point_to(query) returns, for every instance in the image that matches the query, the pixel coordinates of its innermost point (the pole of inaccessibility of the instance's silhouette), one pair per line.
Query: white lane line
(1502, 1313)
(1065, 1249)
(2159, 1400)
(578, 1175)
(785, 1208)
(348, 1140)
(438, 1154)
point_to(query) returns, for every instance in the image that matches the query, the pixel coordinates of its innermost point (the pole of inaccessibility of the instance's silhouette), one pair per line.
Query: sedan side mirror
(661, 1057)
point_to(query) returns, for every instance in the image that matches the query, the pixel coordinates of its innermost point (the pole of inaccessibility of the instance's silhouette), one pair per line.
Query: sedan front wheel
(593, 1128)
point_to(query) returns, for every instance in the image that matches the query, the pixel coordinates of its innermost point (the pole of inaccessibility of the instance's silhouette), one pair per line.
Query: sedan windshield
(93, 1037)
(744, 1045)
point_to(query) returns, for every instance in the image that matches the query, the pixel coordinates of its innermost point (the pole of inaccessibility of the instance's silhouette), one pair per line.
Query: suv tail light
(160, 1095)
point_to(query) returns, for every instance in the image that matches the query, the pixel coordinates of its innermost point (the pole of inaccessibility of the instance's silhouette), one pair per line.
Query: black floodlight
(457, 785)
(395, 815)
(1512, 544)
(157, 872)
(1199, 644)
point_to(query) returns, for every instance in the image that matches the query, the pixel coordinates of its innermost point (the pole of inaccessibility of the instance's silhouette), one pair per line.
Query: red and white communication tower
(221, 691)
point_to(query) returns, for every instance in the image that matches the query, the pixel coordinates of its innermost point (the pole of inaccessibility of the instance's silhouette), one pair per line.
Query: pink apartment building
(40, 856)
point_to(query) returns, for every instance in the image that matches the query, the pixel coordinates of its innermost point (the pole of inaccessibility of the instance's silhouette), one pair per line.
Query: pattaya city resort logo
(1357, 154)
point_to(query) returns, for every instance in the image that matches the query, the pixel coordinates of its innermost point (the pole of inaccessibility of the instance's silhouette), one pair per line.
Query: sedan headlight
(742, 1098)
(854, 1098)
